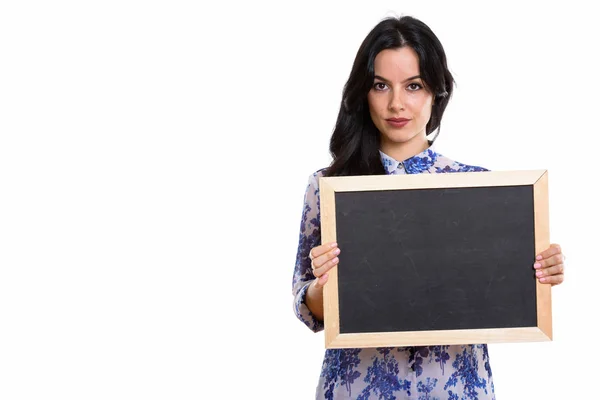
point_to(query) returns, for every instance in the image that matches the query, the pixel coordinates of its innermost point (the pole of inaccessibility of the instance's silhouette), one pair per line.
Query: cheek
(426, 113)
(372, 104)
(377, 102)
(421, 105)
(374, 112)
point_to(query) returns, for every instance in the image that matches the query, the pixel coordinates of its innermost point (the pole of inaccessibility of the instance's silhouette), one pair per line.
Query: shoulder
(446, 164)
(312, 188)
(313, 179)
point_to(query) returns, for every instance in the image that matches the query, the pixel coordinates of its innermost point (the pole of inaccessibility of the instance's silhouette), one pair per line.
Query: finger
(321, 281)
(549, 252)
(554, 270)
(320, 250)
(324, 258)
(322, 269)
(549, 262)
(553, 280)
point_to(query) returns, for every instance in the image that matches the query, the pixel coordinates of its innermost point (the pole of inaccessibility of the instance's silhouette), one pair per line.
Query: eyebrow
(406, 80)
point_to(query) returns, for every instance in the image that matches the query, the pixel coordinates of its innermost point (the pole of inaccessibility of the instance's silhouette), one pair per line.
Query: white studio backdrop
(153, 162)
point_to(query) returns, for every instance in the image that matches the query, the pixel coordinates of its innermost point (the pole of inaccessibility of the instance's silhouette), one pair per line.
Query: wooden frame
(330, 185)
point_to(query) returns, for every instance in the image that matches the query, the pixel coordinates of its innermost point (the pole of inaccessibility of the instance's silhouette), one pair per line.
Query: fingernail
(538, 258)
(537, 265)
(336, 251)
(542, 279)
(333, 245)
(539, 273)
(335, 260)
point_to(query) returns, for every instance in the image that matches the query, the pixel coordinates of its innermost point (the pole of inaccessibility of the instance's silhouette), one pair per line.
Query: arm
(310, 236)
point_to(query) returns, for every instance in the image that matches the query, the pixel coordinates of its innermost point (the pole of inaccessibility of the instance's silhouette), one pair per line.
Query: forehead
(397, 63)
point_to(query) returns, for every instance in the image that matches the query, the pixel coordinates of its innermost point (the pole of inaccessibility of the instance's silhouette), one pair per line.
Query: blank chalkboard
(436, 259)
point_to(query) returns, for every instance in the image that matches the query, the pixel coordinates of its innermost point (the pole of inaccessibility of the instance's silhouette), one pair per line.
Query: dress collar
(414, 165)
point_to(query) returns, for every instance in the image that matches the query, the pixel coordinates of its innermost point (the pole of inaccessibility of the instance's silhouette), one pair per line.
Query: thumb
(321, 281)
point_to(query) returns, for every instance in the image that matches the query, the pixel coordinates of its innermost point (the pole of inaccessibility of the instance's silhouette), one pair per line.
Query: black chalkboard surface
(436, 259)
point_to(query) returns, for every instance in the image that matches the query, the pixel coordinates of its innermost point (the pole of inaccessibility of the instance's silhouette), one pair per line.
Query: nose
(396, 103)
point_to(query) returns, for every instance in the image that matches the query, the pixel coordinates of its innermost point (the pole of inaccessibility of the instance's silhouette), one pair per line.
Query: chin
(399, 139)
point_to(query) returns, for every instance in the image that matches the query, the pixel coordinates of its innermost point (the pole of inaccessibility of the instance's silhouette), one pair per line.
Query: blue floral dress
(427, 372)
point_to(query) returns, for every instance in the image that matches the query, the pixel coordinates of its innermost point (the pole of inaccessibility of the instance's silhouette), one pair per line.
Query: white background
(153, 161)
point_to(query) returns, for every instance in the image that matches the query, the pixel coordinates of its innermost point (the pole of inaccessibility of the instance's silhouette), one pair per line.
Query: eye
(379, 86)
(413, 87)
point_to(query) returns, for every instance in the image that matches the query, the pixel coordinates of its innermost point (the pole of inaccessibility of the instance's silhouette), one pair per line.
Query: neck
(404, 151)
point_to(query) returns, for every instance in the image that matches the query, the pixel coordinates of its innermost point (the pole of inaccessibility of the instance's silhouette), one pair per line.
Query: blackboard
(436, 259)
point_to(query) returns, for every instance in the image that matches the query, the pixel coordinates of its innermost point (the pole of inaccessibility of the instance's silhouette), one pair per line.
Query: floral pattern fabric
(459, 372)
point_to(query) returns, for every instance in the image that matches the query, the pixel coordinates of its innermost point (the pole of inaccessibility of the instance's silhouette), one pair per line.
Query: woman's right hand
(324, 257)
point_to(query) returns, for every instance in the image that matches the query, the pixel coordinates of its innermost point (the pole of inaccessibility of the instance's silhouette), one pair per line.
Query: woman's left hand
(550, 265)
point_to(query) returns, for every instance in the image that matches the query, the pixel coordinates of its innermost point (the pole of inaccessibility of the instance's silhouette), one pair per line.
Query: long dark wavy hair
(355, 141)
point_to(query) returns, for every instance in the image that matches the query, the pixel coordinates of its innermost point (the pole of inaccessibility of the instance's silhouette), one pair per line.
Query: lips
(397, 122)
(398, 119)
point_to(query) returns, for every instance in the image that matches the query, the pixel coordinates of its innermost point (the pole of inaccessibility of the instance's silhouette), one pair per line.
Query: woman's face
(399, 103)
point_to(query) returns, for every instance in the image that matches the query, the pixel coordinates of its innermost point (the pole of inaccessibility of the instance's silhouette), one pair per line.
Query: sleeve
(310, 236)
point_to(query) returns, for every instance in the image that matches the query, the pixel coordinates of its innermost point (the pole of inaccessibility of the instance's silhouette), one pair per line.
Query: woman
(394, 99)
